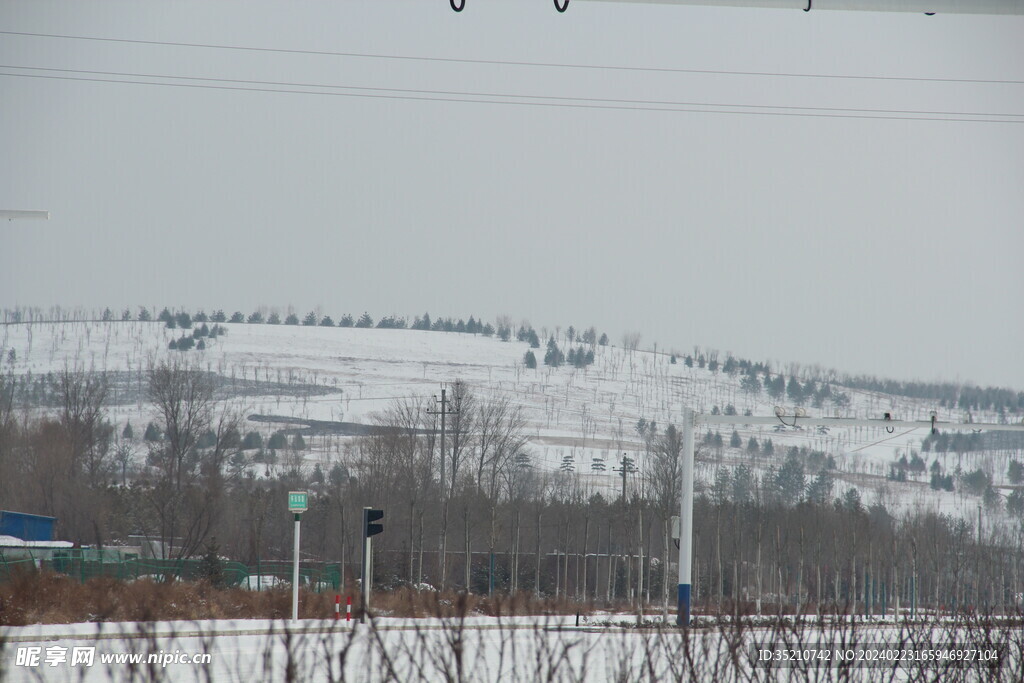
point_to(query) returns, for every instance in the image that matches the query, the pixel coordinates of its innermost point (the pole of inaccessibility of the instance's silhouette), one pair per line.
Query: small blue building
(25, 526)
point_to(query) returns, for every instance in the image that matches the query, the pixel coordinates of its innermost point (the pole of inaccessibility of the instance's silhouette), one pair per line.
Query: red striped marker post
(337, 607)
(348, 609)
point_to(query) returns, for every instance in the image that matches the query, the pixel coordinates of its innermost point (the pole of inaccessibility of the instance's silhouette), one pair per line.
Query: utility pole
(445, 410)
(627, 468)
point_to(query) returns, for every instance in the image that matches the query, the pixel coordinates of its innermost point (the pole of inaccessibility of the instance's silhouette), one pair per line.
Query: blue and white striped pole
(686, 521)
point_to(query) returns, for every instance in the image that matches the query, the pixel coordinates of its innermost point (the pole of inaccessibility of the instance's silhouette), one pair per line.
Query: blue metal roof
(25, 526)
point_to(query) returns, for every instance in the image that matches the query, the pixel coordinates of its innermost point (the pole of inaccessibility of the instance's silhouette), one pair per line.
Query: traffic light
(369, 516)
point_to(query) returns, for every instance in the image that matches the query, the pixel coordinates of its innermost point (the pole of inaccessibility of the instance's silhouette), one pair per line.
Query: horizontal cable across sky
(500, 62)
(515, 99)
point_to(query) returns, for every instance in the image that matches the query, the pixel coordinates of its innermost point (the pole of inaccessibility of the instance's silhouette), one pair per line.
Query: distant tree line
(579, 356)
(812, 385)
(783, 540)
(948, 395)
(503, 329)
(815, 385)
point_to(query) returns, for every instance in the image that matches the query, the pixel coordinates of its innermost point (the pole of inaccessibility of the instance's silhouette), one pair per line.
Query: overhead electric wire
(500, 62)
(564, 102)
(457, 93)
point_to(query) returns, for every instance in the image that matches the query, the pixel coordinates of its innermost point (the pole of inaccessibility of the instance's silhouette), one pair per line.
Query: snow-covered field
(509, 649)
(575, 416)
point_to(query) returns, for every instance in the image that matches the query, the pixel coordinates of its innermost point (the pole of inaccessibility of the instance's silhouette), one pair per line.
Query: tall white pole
(686, 521)
(295, 573)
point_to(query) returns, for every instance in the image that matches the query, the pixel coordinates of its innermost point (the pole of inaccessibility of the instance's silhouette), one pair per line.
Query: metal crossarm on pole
(12, 215)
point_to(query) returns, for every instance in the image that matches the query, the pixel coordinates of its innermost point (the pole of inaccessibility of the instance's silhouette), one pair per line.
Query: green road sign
(298, 501)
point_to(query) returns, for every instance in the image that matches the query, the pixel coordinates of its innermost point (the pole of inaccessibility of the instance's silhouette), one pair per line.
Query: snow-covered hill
(573, 415)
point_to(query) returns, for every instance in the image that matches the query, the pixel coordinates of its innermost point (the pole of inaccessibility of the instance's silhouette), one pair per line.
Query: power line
(550, 98)
(500, 62)
(441, 96)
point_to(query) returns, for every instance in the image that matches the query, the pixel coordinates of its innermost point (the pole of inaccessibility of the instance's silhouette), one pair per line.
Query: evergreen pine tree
(820, 489)
(553, 356)
(210, 567)
(742, 485)
(152, 433)
(795, 391)
(791, 480)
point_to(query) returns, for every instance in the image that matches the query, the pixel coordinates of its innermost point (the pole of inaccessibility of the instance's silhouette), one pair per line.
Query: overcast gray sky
(833, 235)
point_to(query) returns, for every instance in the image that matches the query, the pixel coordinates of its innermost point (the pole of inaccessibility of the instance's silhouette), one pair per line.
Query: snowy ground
(580, 415)
(483, 649)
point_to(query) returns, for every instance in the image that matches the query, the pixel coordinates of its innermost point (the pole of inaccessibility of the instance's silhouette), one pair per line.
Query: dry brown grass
(41, 597)
(44, 597)
(406, 602)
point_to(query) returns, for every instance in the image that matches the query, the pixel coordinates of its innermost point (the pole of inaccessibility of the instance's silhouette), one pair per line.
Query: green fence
(84, 564)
